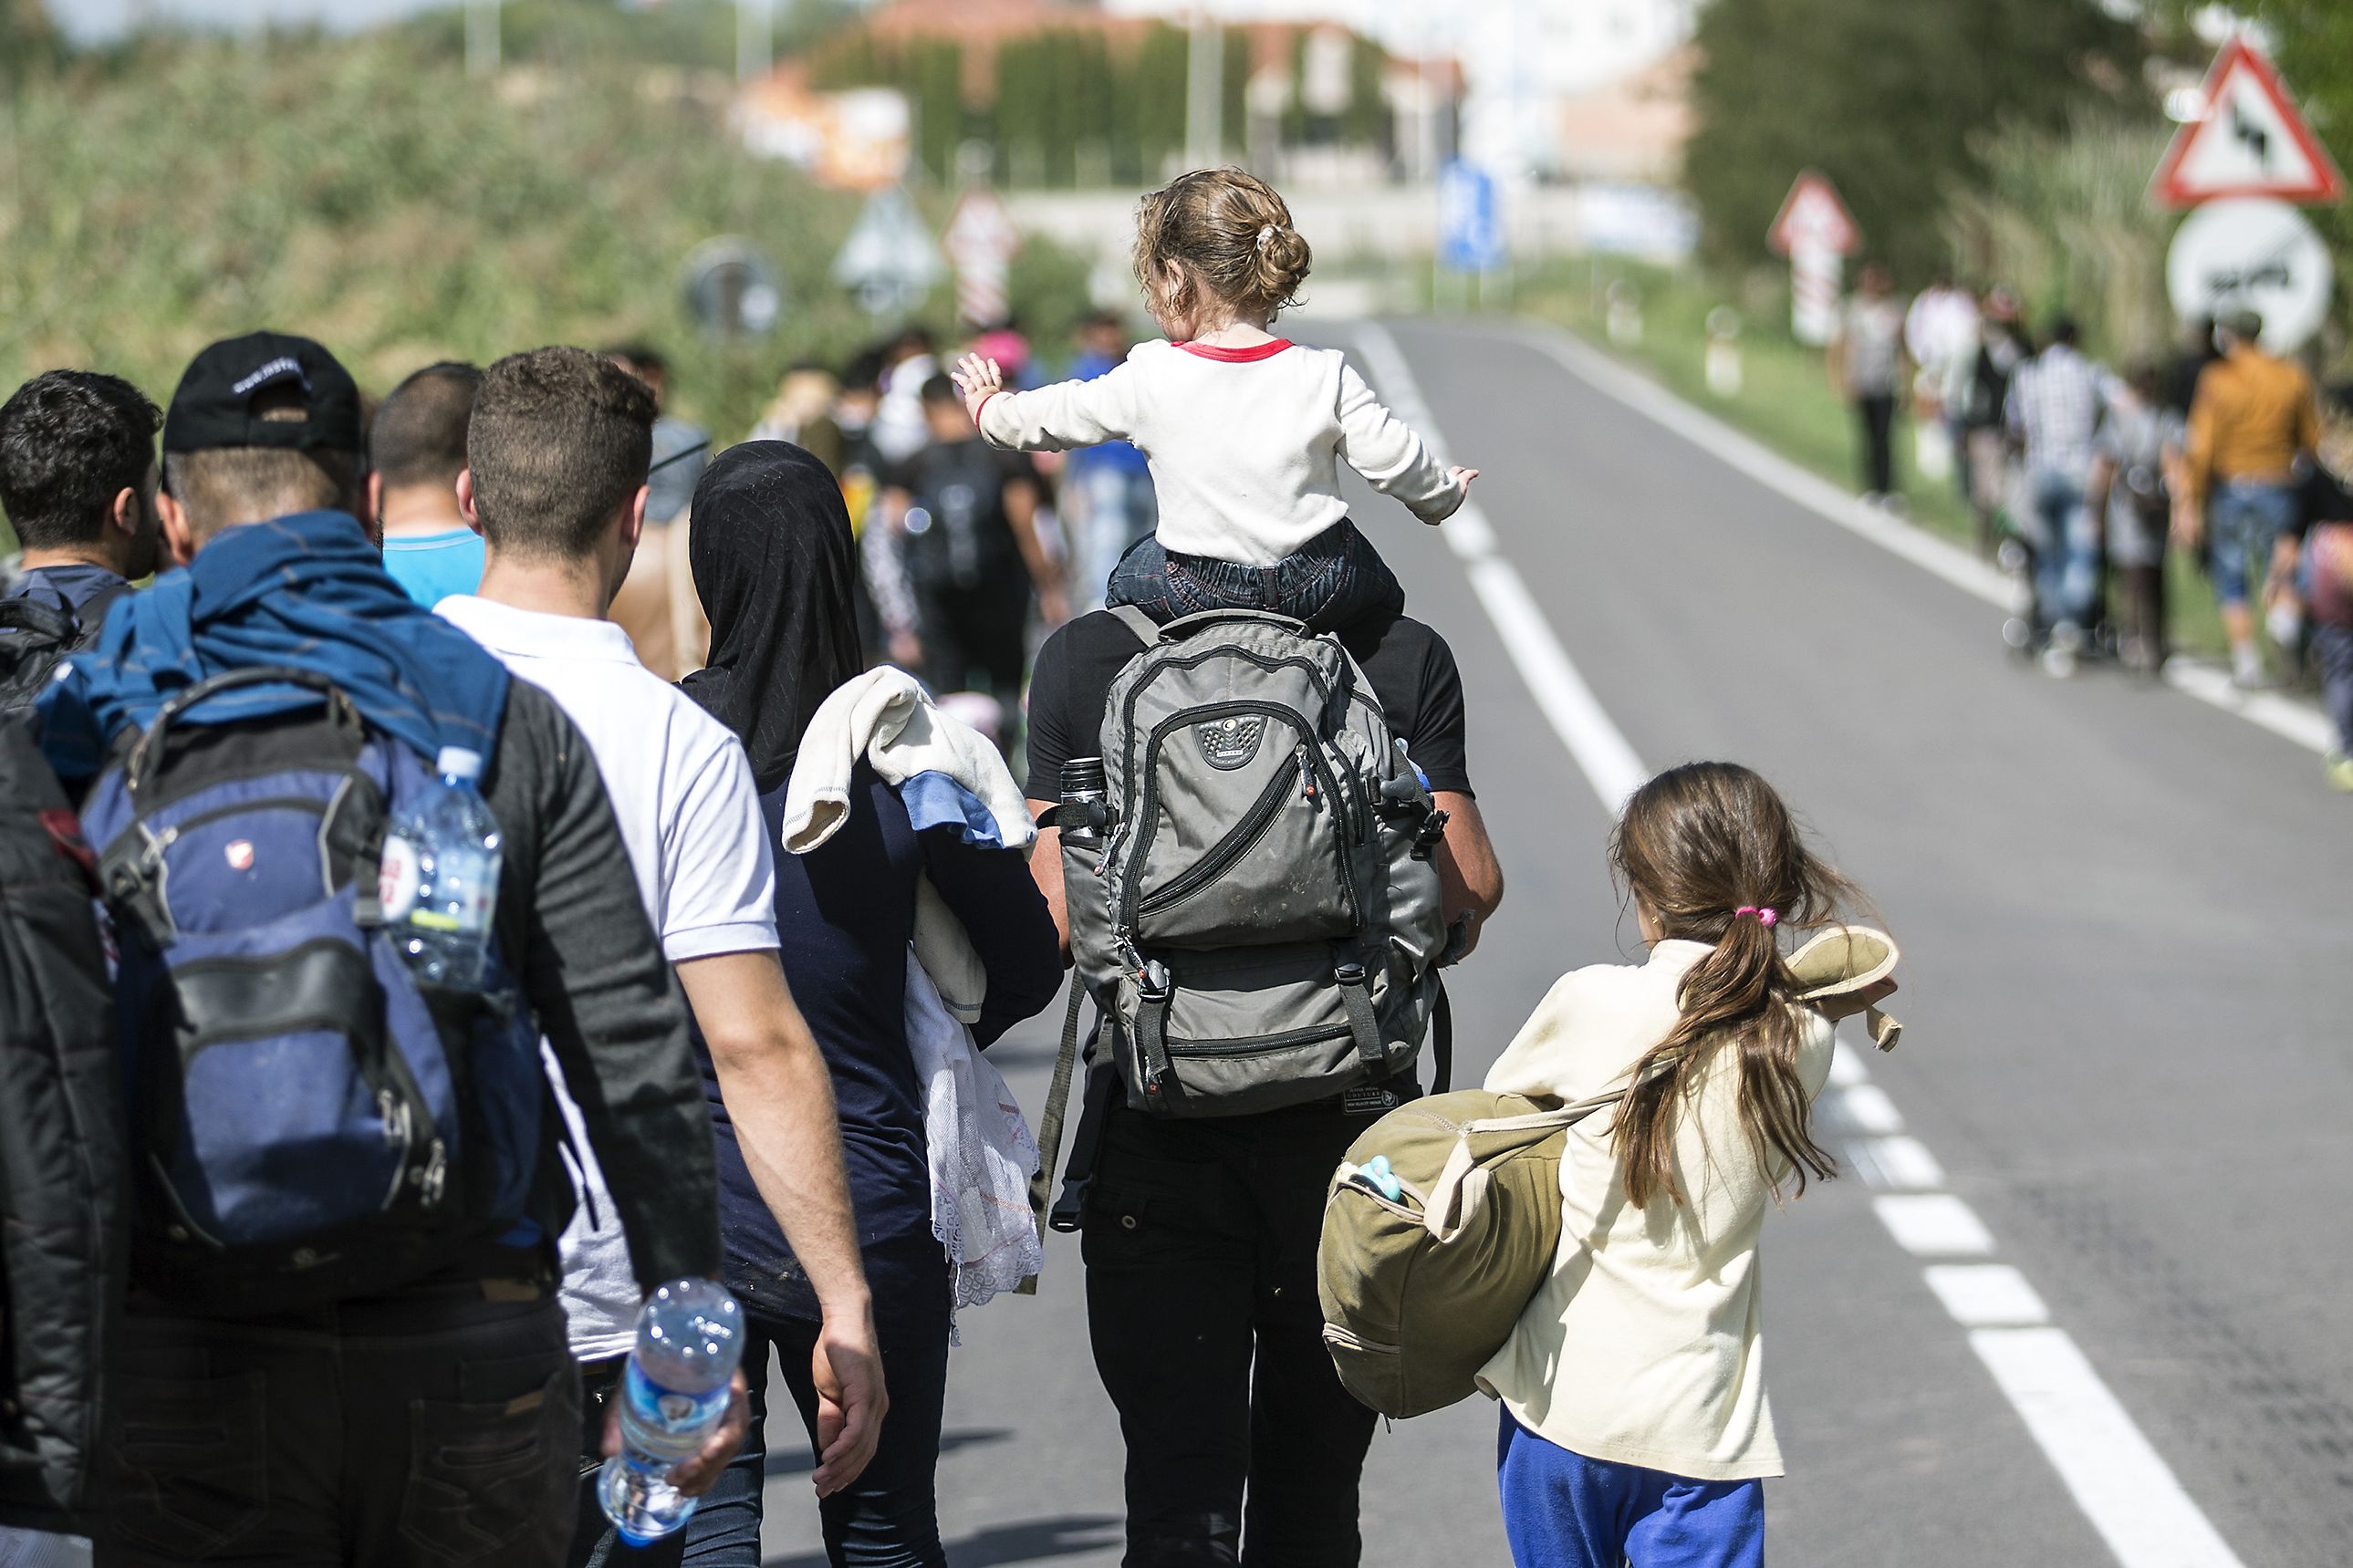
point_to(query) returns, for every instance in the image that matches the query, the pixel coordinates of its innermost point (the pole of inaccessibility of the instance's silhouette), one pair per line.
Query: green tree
(1893, 101)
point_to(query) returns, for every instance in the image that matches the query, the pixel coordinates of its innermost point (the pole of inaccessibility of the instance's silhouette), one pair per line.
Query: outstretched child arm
(1384, 450)
(1051, 419)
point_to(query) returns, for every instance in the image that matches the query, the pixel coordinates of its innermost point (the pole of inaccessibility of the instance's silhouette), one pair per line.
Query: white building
(1523, 61)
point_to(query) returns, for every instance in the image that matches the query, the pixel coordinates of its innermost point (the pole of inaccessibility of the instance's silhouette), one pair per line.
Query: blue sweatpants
(1564, 1511)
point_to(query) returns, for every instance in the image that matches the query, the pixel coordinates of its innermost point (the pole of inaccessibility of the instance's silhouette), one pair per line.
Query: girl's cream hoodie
(1643, 1346)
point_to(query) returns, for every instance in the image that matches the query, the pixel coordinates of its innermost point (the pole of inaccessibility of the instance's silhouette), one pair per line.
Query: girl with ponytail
(1635, 1427)
(1245, 431)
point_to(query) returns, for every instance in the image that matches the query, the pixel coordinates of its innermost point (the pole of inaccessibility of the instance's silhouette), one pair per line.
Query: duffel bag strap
(1454, 1198)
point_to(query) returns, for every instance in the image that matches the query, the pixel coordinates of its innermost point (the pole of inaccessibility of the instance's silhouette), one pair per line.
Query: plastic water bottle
(673, 1395)
(439, 880)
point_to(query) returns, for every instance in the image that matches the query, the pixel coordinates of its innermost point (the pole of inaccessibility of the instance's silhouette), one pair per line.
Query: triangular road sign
(1812, 217)
(2249, 142)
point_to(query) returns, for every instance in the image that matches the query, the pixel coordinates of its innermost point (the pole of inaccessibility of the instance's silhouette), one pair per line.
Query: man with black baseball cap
(435, 1421)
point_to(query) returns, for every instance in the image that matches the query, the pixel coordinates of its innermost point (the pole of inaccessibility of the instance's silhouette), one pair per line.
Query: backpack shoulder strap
(1146, 629)
(19, 613)
(92, 615)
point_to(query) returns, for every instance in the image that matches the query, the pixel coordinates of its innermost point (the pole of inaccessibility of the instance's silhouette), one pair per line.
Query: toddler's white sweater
(1245, 444)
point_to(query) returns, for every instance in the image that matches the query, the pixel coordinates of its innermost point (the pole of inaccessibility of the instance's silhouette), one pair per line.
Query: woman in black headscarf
(773, 559)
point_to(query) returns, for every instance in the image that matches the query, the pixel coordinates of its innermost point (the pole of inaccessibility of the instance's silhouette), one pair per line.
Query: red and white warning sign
(1812, 217)
(982, 239)
(2249, 140)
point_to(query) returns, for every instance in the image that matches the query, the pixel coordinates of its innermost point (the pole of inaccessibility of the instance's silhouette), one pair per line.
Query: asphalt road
(2127, 982)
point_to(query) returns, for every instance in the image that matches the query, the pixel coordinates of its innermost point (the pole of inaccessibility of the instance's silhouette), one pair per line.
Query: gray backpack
(1259, 920)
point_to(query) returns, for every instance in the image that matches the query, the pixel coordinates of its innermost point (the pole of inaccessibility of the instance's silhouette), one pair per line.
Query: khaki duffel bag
(1443, 1220)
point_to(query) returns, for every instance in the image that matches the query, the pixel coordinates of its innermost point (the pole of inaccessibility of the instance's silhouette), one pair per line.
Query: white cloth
(689, 812)
(886, 717)
(1245, 445)
(2056, 399)
(36, 1549)
(1645, 1345)
(978, 1148)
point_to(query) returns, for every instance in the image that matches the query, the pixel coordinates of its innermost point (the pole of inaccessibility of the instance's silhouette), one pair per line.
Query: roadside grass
(1785, 398)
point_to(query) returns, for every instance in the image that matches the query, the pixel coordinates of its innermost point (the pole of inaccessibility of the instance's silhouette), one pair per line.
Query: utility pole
(755, 39)
(481, 37)
(1205, 90)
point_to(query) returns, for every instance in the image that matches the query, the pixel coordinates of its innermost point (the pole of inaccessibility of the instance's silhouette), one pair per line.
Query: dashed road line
(2121, 1483)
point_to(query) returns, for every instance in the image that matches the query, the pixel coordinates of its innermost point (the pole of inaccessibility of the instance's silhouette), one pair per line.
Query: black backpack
(63, 1180)
(35, 637)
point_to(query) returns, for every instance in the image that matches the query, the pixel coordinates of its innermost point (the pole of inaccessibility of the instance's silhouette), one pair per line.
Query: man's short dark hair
(2064, 329)
(70, 441)
(941, 389)
(561, 440)
(419, 435)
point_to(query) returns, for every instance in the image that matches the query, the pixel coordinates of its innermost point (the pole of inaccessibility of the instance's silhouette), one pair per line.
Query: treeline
(1067, 106)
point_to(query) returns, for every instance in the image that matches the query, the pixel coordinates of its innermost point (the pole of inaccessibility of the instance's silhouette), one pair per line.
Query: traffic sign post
(889, 262)
(982, 240)
(2248, 140)
(1817, 232)
(2252, 253)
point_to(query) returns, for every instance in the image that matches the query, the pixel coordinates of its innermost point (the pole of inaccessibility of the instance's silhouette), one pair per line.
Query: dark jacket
(63, 1186)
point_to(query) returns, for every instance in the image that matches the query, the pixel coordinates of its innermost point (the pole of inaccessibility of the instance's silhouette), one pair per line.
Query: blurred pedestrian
(1940, 332)
(802, 413)
(656, 605)
(2001, 348)
(2326, 504)
(1867, 366)
(77, 480)
(2127, 494)
(417, 449)
(899, 427)
(773, 559)
(968, 527)
(1108, 502)
(403, 1393)
(2253, 419)
(2056, 401)
(1636, 1425)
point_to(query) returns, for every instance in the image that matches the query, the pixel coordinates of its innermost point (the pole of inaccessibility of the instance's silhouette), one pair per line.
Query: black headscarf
(773, 559)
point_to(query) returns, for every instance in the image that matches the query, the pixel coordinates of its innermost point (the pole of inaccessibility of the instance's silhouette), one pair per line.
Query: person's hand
(699, 1474)
(907, 650)
(1462, 477)
(1848, 1003)
(850, 1400)
(979, 379)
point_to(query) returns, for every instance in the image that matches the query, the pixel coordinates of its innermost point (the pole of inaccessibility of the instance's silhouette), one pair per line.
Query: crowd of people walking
(2084, 480)
(335, 1180)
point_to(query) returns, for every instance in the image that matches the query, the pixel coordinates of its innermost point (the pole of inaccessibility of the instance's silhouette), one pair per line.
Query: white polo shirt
(682, 793)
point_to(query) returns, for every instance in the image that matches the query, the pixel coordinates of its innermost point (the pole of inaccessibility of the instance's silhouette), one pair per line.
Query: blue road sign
(1469, 219)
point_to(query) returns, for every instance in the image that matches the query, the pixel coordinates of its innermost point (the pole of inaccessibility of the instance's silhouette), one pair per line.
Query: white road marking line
(1864, 1108)
(1932, 1224)
(2121, 1483)
(1987, 1295)
(1904, 1162)
(2292, 722)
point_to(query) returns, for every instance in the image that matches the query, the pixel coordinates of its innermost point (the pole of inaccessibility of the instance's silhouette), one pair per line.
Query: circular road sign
(732, 289)
(2252, 253)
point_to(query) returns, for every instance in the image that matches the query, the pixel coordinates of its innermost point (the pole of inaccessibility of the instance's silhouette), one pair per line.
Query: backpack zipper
(1245, 836)
(1259, 1045)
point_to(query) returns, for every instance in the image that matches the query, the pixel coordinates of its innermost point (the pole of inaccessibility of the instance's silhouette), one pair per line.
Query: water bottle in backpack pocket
(311, 1118)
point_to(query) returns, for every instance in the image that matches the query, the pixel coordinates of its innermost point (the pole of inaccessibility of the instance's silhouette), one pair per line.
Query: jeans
(2066, 549)
(1877, 412)
(1113, 506)
(2332, 655)
(1199, 1242)
(432, 1428)
(1562, 1510)
(2245, 521)
(975, 637)
(888, 1517)
(1335, 580)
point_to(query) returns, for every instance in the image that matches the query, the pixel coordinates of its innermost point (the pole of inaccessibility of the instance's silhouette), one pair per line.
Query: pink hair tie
(1769, 917)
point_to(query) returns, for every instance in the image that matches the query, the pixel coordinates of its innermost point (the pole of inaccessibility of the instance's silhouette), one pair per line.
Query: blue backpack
(311, 1121)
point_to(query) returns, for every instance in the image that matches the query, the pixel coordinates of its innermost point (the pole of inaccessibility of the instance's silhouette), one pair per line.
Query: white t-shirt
(1245, 444)
(683, 797)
